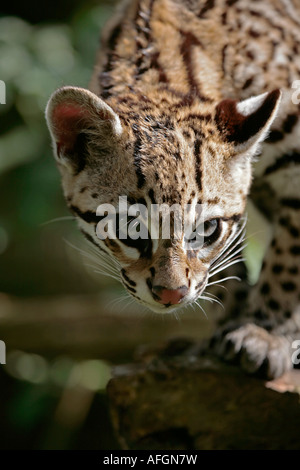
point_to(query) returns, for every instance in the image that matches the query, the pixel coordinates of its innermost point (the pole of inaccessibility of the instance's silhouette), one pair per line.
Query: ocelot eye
(209, 227)
(204, 234)
(134, 233)
(211, 231)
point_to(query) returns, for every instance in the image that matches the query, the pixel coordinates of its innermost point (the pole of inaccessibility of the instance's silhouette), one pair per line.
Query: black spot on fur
(241, 295)
(151, 196)
(274, 136)
(198, 169)
(142, 201)
(283, 162)
(277, 268)
(127, 279)
(295, 250)
(247, 83)
(290, 123)
(235, 218)
(265, 288)
(293, 270)
(137, 157)
(91, 240)
(87, 216)
(273, 304)
(149, 283)
(293, 203)
(152, 271)
(294, 232)
(131, 289)
(209, 4)
(189, 41)
(259, 315)
(284, 221)
(288, 286)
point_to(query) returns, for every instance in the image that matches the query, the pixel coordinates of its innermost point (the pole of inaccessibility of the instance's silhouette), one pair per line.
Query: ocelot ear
(246, 123)
(77, 119)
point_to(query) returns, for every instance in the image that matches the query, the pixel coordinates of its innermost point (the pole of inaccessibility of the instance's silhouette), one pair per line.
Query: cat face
(197, 159)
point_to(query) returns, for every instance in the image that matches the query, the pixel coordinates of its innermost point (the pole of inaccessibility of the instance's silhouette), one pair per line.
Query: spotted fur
(184, 95)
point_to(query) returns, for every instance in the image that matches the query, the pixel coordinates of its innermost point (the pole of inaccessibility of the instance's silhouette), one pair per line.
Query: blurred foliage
(35, 12)
(57, 403)
(34, 61)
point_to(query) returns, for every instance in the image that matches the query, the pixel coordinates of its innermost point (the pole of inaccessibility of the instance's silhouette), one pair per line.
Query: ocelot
(189, 101)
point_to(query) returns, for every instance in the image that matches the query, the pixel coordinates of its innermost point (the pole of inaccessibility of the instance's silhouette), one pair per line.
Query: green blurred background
(51, 393)
(35, 59)
(63, 324)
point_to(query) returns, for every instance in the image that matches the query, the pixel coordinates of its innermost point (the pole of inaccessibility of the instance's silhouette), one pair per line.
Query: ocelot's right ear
(79, 120)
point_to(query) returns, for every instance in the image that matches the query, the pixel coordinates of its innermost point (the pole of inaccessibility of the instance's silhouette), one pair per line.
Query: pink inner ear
(68, 119)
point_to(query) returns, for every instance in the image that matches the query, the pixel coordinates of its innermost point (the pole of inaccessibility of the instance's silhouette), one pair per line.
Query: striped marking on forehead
(137, 157)
(198, 164)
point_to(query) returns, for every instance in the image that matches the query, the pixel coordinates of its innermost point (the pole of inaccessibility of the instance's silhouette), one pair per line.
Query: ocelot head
(196, 155)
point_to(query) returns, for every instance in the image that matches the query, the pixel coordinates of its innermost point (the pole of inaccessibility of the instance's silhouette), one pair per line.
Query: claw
(255, 349)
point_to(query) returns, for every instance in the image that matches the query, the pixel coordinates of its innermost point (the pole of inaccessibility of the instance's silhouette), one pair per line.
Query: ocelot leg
(265, 341)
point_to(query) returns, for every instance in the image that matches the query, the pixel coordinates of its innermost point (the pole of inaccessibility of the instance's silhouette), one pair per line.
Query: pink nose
(169, 296)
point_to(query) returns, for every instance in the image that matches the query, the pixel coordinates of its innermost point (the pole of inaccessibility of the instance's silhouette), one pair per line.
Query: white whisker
(201, 308)
(103, 273)
(122, 297)
(219, 285)
(127, 304)
(177, 316)
(238, 237)
(231, 263)
(231, 248)
(59, 219)
(230, 255)
(212, 295)
(204, 297)
(101, 262)
(224, 279)
(105, 257)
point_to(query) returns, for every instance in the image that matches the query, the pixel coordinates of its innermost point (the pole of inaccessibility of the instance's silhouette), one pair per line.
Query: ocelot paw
(255, 349)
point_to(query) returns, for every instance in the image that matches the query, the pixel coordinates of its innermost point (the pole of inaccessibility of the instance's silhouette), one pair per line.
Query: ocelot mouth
(169, 307)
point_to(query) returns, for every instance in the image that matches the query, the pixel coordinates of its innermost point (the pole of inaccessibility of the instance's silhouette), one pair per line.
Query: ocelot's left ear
(246, 123)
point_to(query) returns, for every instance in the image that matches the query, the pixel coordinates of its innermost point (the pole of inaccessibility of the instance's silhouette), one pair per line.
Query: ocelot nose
(169, 296)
